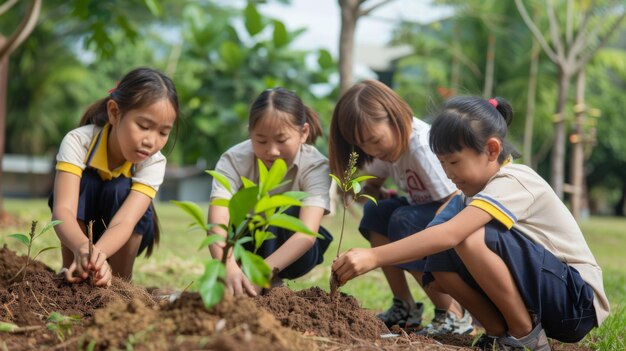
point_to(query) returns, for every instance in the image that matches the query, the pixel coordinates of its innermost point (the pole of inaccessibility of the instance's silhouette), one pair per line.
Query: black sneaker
(401, 314)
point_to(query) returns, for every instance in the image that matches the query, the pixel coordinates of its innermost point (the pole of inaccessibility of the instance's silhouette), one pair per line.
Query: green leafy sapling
(61, 324)
(252, 210)
(350, 186)
(28, 241)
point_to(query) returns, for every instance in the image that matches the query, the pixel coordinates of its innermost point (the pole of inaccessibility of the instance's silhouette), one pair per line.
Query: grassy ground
(177, 261)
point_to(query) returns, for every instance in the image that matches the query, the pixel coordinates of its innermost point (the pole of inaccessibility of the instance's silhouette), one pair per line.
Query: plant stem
(90, 235)
(343, 223)
(33, 225)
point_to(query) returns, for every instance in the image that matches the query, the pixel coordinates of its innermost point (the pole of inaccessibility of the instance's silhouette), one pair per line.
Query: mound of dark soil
(128, 317)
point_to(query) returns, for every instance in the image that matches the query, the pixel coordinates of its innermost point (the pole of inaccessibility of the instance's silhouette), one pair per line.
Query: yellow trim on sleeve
(70, 168)
(144, 189)
(493, 211)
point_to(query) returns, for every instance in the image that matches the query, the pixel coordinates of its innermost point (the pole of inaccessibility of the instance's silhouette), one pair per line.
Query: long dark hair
(286, 101)
(468, 121)
(137, 89)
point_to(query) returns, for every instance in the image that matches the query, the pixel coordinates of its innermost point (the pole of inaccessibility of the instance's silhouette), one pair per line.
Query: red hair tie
(494, 102)
(112, 90)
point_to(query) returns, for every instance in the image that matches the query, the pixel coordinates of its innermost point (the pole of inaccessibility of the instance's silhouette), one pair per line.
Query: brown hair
(358, 110)
(281, 99)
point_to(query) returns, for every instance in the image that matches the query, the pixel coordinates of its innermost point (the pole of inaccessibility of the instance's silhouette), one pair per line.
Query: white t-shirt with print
(417, 172)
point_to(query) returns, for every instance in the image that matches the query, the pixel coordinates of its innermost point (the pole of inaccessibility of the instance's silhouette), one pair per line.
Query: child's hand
(354, 263)
(237, 283)
(103, 276)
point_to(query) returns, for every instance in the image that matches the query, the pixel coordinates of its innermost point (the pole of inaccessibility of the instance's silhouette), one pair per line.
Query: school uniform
(543, 247)
(309, 173)
(83, 152)
(419, 175)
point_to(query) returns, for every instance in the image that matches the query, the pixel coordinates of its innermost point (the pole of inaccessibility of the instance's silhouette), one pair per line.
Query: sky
(322, 20)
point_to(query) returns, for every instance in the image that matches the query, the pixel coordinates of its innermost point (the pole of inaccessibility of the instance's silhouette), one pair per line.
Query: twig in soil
(65, 343)
(36, 299)
(26, 329)
(90, 234)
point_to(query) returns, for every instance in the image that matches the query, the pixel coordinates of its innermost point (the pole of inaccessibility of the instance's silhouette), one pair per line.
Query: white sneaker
(446, 322)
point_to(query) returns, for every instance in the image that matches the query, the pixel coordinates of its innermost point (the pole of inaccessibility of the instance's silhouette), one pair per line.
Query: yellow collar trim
(97, 157)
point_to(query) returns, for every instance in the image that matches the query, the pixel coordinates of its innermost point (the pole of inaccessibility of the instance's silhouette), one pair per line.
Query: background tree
(351, 11)
(588, 27)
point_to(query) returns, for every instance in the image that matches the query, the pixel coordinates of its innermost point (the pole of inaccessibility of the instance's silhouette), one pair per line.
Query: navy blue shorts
(304, 264)
(99, 200)
(396, 219)
(552, 290)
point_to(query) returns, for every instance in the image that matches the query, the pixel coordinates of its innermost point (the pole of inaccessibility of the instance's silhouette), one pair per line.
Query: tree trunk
(4, 68)
(578, 141)
(557, 161)
(530, 103)
(489, 66)
(349, 16)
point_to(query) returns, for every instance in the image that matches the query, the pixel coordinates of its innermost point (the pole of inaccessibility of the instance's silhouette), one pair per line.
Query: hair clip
(493, 102)
(112, 90)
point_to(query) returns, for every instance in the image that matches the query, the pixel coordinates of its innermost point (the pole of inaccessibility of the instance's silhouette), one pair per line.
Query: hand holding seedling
(79, 270)
(354, 263)
(350, 186)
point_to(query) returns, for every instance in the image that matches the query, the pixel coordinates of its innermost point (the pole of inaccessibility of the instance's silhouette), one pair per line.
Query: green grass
(177, 261)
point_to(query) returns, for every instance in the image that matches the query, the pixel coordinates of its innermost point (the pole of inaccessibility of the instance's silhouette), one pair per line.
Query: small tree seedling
(252, 210)
(28, 241)
(350, 186)
(61, 325)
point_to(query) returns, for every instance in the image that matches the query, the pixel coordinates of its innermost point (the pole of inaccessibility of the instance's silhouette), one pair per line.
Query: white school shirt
(519, 198)
(87, 144)
(417, 172)
(309, 172)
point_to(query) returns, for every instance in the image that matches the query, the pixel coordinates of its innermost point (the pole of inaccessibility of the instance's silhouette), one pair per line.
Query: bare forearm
(114, 238)
(290, 251)
(69, 231)
(414, 247)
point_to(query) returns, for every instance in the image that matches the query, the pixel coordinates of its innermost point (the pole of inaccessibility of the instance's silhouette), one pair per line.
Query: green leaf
(369, 197)
(220, 202)
(44, 250)
(356, 186)
(154, 7)
(325, 59)
(288, 222)
(241, 204)
(271, 202)
(260, 236)
(275, 176)
(194, 211)
(254, 21)
(221, 179)
(247, 183)
(362, 178)
(298, 195)
(232, 55)
(50, 225)
(256, 269)
(337, 181)
(8, 327)
(280, 38)
(210, 240)
(21, 238)
(211, 286)
(263, 172)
